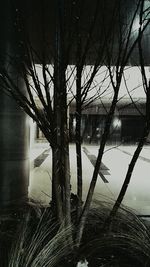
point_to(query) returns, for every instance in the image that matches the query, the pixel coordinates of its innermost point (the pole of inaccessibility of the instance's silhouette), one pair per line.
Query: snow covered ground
(110, 179)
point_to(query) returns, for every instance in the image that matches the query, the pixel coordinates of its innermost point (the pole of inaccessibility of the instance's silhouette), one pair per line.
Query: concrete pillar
(14, 124)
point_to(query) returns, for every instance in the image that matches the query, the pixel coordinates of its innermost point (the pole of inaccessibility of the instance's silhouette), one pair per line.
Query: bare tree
(126, 45)
(143, 21)
(113, 49)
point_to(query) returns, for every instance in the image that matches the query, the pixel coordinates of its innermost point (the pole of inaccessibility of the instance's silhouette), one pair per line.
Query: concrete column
(14, 124)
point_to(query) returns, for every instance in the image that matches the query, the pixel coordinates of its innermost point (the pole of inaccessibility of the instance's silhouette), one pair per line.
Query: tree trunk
(78, 143)
(56, 188)
(79, 162)
(128, 177)
(96, 169)
(60, 115)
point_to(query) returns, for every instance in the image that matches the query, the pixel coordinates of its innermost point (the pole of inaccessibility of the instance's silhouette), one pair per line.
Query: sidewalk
(115, 164)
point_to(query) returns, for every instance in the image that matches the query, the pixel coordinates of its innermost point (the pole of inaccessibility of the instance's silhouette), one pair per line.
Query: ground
(111, 175)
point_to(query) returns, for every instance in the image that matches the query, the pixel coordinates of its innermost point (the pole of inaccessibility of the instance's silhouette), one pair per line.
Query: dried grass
(45, 244)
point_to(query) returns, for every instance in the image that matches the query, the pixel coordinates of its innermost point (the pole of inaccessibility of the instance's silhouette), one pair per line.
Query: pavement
(112, 172)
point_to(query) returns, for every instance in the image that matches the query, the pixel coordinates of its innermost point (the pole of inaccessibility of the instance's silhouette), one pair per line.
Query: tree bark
(78, 143)
(127, 178)
(96, 169)
(56, 188)
(60, 114)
